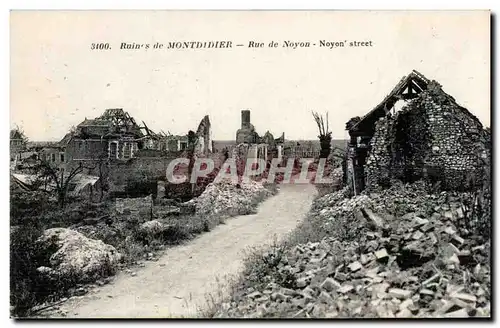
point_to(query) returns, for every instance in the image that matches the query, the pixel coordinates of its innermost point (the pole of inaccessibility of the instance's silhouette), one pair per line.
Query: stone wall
(458, 141)
(378, 163)
(432, 138)
(126, 176)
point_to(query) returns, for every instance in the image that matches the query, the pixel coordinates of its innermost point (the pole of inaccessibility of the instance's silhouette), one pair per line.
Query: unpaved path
(191, 271)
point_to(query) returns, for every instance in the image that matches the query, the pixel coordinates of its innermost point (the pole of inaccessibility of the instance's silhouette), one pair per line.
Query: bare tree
(325, 135)
(59, 177)
(101, 161)
(22, 134)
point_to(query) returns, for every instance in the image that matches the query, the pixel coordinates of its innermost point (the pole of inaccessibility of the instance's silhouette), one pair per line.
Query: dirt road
(177, 285)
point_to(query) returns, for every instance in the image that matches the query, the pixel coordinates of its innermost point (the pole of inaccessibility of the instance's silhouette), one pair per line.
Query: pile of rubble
(228, 198)
(411, 258)
(74, 256)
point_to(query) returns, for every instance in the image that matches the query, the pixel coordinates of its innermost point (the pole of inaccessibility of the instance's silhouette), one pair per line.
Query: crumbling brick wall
(378, 164)
(432, 138)
(457, 141)
(124, 175)
(140, 175)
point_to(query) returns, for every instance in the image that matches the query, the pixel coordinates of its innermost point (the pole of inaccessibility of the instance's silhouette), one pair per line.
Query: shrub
(24, 278)
(27, 287)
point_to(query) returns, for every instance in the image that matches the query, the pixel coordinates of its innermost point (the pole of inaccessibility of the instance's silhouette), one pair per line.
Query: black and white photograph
(206, 164)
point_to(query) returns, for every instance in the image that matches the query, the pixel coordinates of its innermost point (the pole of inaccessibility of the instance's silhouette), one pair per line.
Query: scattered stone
(464, 253)
(375, 219)
(425, 291)
(399, 293)
(406, 303)
(417, 235)
(462, 313)
(330, 284)
(254, 294)
(448, 215)
(433, 238)
(478, 248)
(325, 298)
(457, 239)
(419, 221)
(404, 313)
(355, 266)
(302, 282)
(381, 254)
(80, 291)
(340, 278)
(426, 227)
(465, 297)
(364, 259)
(278, 296)
(453, 259)
(449, 230)
(344, 289)
(431, 279)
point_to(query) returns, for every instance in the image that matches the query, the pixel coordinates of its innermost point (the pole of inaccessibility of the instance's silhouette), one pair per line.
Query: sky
(57, 80)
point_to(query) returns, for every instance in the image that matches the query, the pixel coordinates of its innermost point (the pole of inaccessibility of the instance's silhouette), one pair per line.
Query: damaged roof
(94, 122)
(113, 122)
(408, 88)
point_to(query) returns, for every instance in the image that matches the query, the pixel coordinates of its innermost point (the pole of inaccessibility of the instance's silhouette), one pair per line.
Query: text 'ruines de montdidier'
(172, 45)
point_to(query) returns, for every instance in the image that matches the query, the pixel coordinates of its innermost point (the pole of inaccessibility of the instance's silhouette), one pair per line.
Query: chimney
(245, 119)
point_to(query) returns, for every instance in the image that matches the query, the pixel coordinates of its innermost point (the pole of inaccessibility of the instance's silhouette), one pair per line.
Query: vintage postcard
(250, 164)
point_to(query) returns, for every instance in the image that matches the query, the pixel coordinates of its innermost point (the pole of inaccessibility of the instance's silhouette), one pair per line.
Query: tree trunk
(325, 143)
(62, 199)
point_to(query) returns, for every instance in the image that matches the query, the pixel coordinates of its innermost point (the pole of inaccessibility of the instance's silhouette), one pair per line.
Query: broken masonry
(417, 132)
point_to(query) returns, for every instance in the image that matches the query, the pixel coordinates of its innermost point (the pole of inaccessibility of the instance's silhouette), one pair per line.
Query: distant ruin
(251, 145)
(116, 149)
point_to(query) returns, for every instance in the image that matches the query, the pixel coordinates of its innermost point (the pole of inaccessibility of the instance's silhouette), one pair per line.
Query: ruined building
(17, 143)
(114, 135)
(417, 132)
(115, 147)
(246, 134)
(255, 146)
(204, 142)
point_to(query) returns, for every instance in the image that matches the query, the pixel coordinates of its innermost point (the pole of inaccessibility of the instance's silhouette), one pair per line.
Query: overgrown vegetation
(33, 212)
(29, 216)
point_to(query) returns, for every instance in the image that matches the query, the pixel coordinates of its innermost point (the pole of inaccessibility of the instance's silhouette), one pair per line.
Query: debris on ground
(400, 253)
(228, 198)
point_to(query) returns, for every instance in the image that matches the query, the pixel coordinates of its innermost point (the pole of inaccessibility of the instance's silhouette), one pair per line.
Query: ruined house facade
(114, 135)
(54, 154)
(431, 137)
